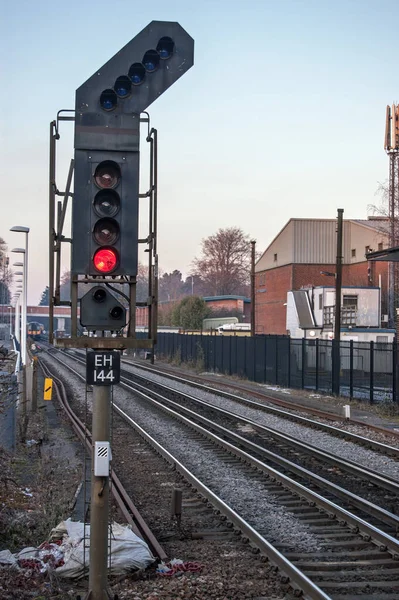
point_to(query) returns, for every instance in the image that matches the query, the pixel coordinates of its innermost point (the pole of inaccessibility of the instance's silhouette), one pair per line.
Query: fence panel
(271, 359)
(283, 360)
(241, 356)
(295, 348)
(260, 359)
(367, 369)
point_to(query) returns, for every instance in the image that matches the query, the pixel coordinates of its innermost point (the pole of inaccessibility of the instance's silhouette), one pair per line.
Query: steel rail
(298, 579)
(298, 488)
(388, 483)
(291, 406)
(122, 498)
(362, 504)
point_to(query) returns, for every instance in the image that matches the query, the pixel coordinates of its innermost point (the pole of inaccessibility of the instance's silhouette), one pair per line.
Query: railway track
(380, 488)
(217, 387)
(122, 499)
(347, 557)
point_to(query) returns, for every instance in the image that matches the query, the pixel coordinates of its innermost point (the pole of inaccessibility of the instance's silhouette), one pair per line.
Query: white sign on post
(103, 368)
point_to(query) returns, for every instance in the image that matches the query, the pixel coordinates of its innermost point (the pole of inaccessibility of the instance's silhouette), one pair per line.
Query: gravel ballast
(323, 441)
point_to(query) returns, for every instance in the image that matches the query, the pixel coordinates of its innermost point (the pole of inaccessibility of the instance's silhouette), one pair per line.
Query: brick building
(305, 247)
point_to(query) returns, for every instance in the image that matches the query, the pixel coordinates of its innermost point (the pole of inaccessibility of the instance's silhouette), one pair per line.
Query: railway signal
(99, 309)
(105, 224)
(107, 137)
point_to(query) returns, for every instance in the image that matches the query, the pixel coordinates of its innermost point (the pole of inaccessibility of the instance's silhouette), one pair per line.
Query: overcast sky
(281, 116)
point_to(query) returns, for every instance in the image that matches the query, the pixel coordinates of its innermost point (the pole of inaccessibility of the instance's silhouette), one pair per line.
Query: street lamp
(17, 336)
(24, 304)
(24, 251)
(10, 313)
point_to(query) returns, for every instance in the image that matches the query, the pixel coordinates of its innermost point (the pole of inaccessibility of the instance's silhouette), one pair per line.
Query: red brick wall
(229, 304)
(270, 316)
(308, 275)
(270, 309)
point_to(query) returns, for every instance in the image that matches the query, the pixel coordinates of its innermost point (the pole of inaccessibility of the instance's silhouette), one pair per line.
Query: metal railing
(367, 369)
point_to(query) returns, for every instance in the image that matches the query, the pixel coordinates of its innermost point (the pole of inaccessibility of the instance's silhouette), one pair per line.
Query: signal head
(108, 100)
(99, 295)
(151, 61)
(107, 174)
(123, 86)
(106, 232)
(105, 260)
(165, 47)
(107, 203)
(137, 73)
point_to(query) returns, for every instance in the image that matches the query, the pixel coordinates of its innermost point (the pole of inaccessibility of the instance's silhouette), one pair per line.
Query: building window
(367, 249)
(353, 252)
(380, 246)
(262, 279)
(349, 310)
(320, 301)
(349, 300)
(275, 258)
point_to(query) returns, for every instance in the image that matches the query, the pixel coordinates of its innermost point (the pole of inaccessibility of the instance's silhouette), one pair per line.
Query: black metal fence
(367, 369)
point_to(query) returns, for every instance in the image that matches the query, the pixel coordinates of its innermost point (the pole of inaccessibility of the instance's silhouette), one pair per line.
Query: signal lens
(137, 73)
(123, 86)
(151, 60)
(106, 232)
(107, 203)
(108, 100)
(99, 295)
(105, 260)
(165, 47)
(116, 312)
(107, 174)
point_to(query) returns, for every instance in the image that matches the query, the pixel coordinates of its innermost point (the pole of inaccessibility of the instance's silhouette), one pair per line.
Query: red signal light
(105, 260)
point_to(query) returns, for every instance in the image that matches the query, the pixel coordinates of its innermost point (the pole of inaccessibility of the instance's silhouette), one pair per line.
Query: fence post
(317, 363)
(265, 361)
(289, 363)
(252, 338)
(276, 354)
(245, 356)
(351, 368)
(336, 366)
(303, 364)
(394, 369)
(371, 372)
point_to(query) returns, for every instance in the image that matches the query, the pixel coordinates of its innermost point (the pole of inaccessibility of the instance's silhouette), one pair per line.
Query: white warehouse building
(311, 314)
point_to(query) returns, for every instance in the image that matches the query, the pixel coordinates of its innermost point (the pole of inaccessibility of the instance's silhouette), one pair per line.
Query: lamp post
(17, 324)
(24, 251)
(22, 289)
(9, 314)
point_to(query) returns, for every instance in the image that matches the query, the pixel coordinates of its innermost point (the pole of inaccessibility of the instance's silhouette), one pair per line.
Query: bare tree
(171, 286)
(224, 266)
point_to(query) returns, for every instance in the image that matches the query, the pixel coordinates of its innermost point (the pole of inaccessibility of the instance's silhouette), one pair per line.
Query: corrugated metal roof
(379, 224)
(314, 241)
(303, 309)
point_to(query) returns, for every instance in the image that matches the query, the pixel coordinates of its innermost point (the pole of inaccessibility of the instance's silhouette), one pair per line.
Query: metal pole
(337, 325)
(17, 323)
(53, 138)
(25, 303)
(99, 506)
(253, 243)
(10, 309)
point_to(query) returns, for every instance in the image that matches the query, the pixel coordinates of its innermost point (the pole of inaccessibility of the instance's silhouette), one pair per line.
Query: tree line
(223, 268)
